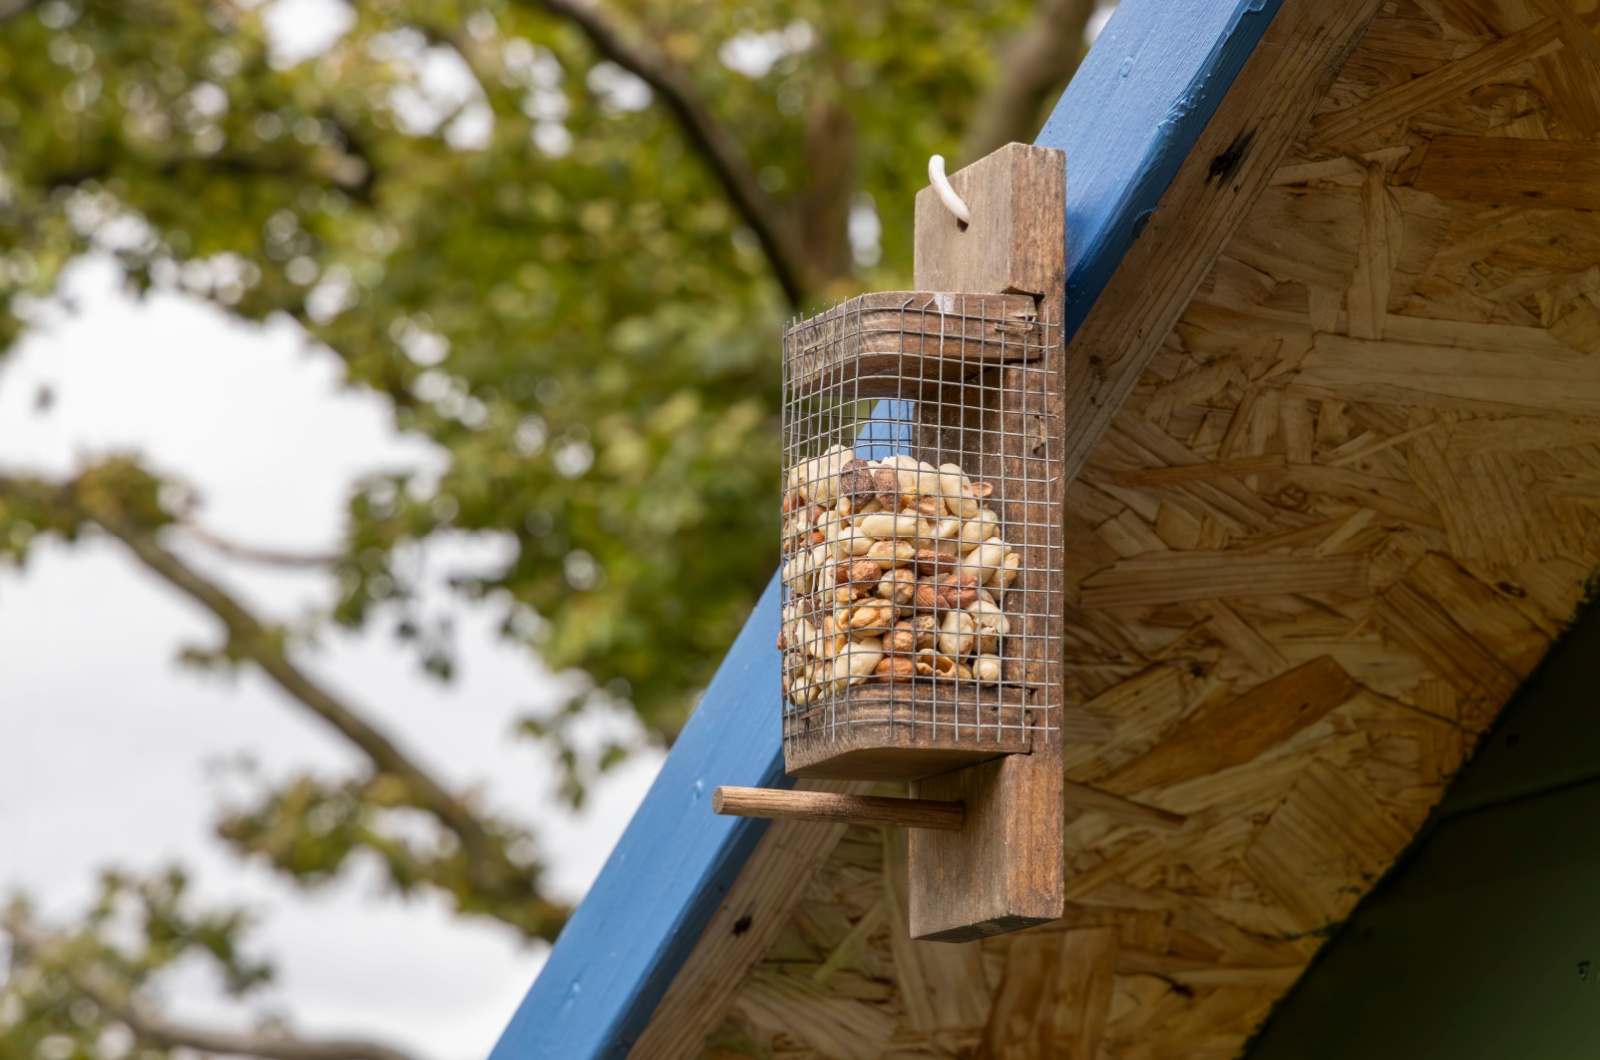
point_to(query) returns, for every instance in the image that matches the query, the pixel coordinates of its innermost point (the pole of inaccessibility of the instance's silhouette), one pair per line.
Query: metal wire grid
(930, 383)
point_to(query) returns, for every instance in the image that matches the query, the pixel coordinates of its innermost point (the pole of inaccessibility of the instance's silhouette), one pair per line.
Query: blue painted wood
(1130, 116)
(670, 869)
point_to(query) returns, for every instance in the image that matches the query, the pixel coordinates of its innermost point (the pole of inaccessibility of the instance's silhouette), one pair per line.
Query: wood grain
(1439, 86)
(1004, 870)
(904, 731)
(1126, 811)
(1237, 731)
(1173, 577)
(868, 810)
(899, 344)
(1253, 129)
(1503, 171)
(743, 928)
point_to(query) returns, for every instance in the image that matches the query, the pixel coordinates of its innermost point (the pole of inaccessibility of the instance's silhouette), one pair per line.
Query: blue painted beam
(1130, 117)
(670, 869)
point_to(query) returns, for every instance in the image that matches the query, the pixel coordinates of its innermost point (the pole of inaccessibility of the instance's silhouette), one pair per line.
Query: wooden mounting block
(1005, 869)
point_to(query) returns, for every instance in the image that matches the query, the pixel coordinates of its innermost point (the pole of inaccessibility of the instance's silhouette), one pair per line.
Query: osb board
(1349, 506)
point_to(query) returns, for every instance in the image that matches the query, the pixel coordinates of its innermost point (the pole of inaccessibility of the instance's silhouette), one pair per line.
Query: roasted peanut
(985, 561)
(856, 662)
(957, 633)
(856, 482)
(886, 525)
(960, 588)
(1009, 572)
(902, 639)
(986, 668)
(931, 664)
(798, 632)
(929, 596)
(891, 552)
(978, 529)
(872, 615)
(817, 480)
(895, 668)
(798, 574)
(887, 485)
(855, 579)
(898, 586)
(914, 476)
(931, 562)
(955, 489)
(991, 624)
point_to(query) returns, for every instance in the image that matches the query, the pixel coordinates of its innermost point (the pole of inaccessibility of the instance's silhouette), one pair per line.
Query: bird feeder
(922, 553)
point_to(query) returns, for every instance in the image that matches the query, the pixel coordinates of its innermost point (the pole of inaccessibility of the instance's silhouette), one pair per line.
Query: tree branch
(490, 871)
(116, 1001)
(270, 557)
(712, 139)
(1041, 58)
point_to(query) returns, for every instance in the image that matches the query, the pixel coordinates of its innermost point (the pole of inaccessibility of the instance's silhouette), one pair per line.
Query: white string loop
(947, 194)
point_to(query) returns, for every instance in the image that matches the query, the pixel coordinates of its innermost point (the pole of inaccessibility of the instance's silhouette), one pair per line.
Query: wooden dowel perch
(845, 809)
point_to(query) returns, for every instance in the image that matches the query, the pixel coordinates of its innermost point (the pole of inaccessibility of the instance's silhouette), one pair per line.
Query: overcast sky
(108, 748)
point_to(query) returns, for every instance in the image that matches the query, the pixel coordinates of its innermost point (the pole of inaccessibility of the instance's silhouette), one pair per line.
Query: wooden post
(1005, 868)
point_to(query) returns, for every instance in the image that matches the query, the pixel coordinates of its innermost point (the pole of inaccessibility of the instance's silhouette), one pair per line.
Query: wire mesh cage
(921, 536)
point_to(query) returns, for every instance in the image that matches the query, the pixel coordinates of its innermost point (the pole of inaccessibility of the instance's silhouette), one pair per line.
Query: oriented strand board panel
(1350, 504)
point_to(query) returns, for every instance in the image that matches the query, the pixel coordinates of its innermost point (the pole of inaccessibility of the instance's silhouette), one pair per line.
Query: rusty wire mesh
(921, 541)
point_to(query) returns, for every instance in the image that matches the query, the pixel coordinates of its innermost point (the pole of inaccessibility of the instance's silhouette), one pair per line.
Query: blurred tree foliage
(560, 238)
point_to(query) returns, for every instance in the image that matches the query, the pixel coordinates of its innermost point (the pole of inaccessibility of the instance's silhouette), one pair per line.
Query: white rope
(947, 194)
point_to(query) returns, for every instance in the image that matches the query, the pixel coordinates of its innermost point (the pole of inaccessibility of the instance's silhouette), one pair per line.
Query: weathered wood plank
(742, 928)
(1004, 869)
(942, 987)
(1174, 577)
(1246, 139)
(1329, 831)
(1084, 797)
(1557, 379)
(1438, 86)
(1239, 730)
(1054, 997)
(1502, 171)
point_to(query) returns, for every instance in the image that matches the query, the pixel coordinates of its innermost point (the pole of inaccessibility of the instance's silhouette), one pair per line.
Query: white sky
(105, 741)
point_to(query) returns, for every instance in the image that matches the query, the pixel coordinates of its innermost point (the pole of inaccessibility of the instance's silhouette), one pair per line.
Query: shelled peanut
(896, 571)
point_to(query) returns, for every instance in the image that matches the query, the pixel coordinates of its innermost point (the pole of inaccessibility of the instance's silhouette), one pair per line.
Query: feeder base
(925, 729)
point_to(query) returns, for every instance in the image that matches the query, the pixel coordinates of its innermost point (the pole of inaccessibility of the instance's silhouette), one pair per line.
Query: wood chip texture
(1350, 503)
